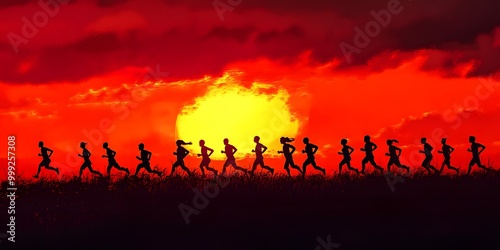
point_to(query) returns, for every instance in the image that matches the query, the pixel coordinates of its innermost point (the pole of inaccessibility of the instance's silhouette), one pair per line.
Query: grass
(260, 212)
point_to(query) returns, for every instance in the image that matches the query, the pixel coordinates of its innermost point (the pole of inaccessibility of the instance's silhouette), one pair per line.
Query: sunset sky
(154, 71)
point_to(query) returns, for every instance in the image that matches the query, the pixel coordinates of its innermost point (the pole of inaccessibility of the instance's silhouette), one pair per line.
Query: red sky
(432, 71)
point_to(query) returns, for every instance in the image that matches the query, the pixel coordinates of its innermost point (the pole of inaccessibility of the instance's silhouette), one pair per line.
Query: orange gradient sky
(129, 72)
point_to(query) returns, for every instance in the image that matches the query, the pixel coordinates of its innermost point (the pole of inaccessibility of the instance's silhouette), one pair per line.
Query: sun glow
(229, 110)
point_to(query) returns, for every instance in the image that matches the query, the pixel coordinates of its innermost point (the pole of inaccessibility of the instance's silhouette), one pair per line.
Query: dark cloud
(11, 3)
(110, 3)
(437, 125)
(199, 43)
(240, 34)
(291, 32)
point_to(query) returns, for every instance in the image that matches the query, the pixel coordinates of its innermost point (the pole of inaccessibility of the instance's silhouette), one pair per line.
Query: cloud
(188, 38)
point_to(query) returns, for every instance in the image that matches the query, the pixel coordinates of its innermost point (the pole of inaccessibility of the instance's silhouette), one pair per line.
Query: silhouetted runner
(368, 149)
(229, 150)
(259, 158)
(145, 158)
(110, 154)
(476, 149)
(310, 150)
(394, 153)
(205, 160)
(346, 152)
(428, 156)
(86, 161)
(446, 150)
(181, 153)
(287, 151)
(45, 153)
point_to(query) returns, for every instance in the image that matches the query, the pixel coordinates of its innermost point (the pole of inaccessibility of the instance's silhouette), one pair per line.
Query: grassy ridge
(261, 212)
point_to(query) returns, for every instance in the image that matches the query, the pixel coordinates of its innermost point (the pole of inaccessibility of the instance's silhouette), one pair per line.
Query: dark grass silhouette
(260, 212)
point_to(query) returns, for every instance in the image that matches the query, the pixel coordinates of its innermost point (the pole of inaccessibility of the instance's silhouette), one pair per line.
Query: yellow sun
(232, 111)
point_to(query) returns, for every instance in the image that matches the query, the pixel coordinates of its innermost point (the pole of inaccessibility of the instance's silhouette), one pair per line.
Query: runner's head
(284, 140)
(256, 138)
(472, 139)
(343, 141)
(367, 138)
(226, 141)
(141, 146)
(391, 141)
(105, 145)
(305, 140)
(443, 141)
(202, 143)
(82, 144)
(40, 144)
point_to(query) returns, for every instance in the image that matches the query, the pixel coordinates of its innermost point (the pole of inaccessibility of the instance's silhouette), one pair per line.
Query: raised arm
(113, 153)
(234, 149)
(451, 149)
(374, 146)
(482, 147)
(149, 154)
(293, 149)
(264, 148)
(210, 150)
(50, 151)
(350, 149)
(315, 148)
(399, 150)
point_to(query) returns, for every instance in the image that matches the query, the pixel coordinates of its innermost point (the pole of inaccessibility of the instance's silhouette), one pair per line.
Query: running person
(346, 152)
(229, 150)
(145, 158)
(110, 154)
(446, 150)
(86, 161)
(394, 153)
(287, 151)
(310, 150)
(45, 153)
(428, 156)
(476, 149)
(205, 160)
(368, 149)
(259, 159)
(181, 153)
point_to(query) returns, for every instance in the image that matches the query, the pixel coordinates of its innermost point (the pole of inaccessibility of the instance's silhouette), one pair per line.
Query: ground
(263, 212)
